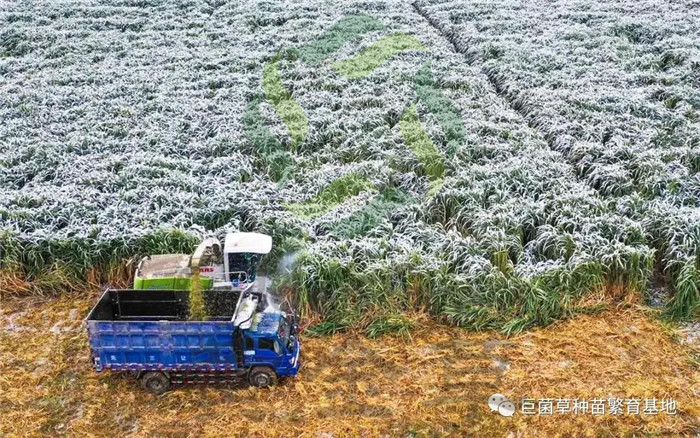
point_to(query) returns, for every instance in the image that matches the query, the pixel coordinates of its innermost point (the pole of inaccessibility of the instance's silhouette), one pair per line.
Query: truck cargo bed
(143, 330)
(130, 304)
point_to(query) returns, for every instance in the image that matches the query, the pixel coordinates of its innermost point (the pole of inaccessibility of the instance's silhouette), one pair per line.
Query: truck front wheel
(262, 377)
(155, 382)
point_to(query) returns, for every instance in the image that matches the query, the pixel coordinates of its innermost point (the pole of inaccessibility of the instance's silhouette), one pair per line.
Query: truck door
(269, 351)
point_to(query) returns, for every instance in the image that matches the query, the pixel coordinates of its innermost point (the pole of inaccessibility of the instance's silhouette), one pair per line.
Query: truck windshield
(284, 333)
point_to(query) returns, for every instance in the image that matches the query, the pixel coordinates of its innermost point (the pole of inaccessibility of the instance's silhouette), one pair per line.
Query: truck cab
(271, 341)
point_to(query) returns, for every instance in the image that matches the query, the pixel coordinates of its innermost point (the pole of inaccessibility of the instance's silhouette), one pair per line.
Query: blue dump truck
(244, 337)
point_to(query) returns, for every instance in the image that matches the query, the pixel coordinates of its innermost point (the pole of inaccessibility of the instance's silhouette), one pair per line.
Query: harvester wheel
(262, 377)
(155, 382)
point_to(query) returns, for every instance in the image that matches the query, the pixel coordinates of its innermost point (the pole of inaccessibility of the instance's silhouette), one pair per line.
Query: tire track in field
(499, 88)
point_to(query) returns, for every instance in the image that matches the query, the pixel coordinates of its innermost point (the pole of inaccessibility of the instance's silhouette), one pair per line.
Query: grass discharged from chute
(197, 311)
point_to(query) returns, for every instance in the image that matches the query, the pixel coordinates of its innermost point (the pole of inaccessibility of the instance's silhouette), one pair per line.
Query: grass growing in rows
(630, 131)
(54, 266)
(568, 172)
(373, 56)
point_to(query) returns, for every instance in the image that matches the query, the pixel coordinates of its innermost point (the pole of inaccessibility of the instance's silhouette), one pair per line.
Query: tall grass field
(495, 164)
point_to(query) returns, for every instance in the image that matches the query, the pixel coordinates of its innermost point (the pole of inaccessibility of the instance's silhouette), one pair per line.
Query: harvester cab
(242, 253)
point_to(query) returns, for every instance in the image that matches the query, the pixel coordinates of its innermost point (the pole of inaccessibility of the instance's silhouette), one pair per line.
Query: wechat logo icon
(499, 403)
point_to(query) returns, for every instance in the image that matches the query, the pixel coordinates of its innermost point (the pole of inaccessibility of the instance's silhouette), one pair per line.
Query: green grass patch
(337, 192)
(373, 56)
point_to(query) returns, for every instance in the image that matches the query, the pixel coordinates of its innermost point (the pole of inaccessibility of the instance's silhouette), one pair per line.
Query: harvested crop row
(434, 383)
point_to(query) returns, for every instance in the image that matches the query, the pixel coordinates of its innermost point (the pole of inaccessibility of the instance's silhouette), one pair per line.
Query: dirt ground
(435, 383)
